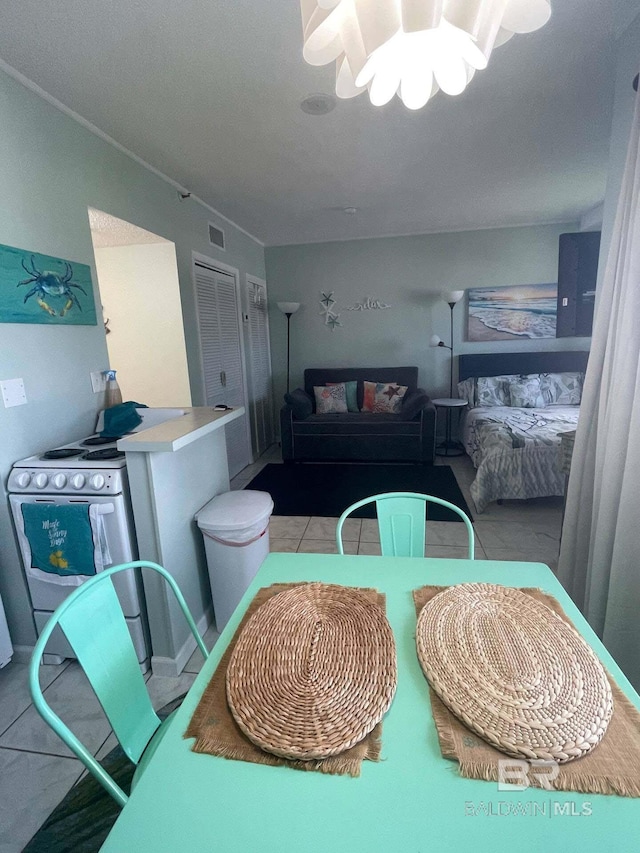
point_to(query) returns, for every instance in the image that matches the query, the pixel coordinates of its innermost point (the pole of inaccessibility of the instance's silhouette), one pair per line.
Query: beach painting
(37, 288)
(512, 313)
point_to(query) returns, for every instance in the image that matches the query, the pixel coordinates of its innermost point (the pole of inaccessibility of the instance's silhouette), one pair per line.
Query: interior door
(261, 396)
(221, 349)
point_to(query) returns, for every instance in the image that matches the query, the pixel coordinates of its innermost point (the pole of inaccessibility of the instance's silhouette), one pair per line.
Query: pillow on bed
(493, 390)
(467, 391)
(562, 389)
(526, 393)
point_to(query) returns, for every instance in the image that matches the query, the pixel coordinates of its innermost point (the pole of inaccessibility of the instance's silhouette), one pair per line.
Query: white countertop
(171, 435)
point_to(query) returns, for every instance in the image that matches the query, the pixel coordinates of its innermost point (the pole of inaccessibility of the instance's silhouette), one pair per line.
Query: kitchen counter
(176, 433)
(175, 467)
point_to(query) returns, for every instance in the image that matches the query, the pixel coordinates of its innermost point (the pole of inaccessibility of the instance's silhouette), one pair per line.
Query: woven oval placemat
(514, 672)
(313, 672)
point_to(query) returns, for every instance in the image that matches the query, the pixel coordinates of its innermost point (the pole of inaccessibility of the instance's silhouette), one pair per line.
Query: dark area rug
(82, 821)
(328, 489)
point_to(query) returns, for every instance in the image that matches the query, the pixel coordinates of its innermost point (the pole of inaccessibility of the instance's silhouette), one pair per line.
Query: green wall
(51, 170)
(407, 273)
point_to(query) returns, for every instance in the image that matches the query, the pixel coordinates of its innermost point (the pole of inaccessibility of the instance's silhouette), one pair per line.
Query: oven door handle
(99, 529)
(103, 509)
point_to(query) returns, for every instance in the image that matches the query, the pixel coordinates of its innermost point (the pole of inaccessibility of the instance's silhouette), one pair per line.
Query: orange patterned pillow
(383, 397)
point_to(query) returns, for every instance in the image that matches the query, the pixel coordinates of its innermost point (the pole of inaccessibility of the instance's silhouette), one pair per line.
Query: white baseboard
(162, 666)
(167, 667)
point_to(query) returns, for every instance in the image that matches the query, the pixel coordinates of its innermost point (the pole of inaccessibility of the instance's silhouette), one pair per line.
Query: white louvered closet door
(261, 396)
(219, 326)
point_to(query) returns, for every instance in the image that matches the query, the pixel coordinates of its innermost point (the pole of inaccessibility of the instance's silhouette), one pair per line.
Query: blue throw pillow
(300, 404)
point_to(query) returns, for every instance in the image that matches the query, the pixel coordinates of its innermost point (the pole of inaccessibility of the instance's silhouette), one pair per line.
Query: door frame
(254, 279)
(235, 272)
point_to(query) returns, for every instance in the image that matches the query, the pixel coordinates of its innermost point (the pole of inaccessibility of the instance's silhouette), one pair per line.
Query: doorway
(261, 398)
(140, 294)
(218, 306)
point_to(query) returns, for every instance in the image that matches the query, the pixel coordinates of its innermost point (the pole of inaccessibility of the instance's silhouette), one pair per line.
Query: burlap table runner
(217, 733)
(613, 767)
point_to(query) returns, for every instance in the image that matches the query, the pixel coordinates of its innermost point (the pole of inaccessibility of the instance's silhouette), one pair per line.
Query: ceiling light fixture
(411, 47)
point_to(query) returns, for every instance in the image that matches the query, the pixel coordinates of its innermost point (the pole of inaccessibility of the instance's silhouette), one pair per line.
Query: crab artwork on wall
(59, 291)
(48, 284)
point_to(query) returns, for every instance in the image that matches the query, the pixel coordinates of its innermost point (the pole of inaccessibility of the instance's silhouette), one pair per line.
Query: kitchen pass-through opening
(140, 294)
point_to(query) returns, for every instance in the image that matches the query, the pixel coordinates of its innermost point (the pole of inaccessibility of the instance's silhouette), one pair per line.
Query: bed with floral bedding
(515, 418)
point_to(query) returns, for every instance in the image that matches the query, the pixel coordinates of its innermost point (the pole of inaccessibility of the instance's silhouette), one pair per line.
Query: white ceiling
(108, 232)
(208, 92)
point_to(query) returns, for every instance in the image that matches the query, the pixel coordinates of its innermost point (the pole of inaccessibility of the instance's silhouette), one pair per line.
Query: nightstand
(449, 447)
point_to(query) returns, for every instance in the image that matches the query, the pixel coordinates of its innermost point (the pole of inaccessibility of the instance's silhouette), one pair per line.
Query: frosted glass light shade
(411, 47)
(288, 307)
(435, 341)
(452, 295)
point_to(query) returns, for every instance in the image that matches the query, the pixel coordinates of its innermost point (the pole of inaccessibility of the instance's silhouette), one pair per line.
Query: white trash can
(235, 526)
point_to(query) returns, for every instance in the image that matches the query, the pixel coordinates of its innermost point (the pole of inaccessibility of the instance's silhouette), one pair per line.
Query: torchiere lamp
(451, 297)
(288, 308)
(449, 447)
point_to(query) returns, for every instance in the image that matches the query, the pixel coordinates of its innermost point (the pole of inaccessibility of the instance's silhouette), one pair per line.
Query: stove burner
(62, 453)
(107, 453)
(100, 439)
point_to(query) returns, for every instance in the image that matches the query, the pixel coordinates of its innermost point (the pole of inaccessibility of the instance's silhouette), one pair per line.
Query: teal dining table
(411, 800)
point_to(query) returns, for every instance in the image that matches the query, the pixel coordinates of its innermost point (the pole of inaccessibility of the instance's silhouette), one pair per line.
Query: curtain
(600, 553)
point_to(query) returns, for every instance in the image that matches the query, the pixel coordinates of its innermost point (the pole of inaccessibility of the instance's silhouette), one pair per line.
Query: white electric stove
(88, 471)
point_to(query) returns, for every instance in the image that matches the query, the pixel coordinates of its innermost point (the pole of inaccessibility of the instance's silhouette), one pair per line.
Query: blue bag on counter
(121, 419)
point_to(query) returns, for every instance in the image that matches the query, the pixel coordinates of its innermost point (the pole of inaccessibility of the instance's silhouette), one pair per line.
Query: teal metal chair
(402, 522)
(93, 622)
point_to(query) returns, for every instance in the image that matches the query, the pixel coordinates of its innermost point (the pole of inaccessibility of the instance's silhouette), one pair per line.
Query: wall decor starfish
(327, 302)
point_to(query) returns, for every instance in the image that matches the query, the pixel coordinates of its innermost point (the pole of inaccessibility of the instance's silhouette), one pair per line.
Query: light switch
(13, 392)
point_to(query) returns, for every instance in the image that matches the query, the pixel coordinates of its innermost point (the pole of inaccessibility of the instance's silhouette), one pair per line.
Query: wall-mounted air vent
(216, 236)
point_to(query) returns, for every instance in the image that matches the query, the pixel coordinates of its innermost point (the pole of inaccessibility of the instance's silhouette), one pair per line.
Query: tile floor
(516, 530)
(37, 770)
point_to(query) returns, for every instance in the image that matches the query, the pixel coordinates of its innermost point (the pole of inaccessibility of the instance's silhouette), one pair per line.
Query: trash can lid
(234, 510)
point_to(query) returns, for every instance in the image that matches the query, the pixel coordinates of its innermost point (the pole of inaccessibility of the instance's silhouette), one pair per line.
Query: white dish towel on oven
(100, 557)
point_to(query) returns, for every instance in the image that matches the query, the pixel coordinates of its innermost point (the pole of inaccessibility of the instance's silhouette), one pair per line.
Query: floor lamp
(288, 308)
(449, 447)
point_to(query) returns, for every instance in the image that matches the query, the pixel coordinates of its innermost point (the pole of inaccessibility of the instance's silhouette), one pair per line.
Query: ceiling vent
(216, 236)
(318, 105)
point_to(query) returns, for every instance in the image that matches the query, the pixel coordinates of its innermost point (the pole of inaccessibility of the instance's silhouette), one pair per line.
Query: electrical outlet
(13, 392)
(98, 381)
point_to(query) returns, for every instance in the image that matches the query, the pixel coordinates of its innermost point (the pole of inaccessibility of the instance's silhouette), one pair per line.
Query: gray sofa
(359, 436)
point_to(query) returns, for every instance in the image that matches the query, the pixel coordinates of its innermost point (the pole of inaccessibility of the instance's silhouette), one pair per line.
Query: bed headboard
(508, 363)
